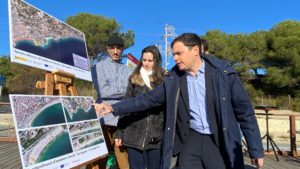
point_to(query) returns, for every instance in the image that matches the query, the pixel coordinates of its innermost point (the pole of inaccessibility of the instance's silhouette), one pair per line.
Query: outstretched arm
(139, 103)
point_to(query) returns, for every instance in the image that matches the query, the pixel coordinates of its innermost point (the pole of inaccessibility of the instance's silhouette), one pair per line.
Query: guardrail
(6, 129)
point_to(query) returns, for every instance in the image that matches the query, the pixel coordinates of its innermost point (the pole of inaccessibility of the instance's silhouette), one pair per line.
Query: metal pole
(169, 32)
(166, 47)
(0, 91)
(267, 128)
(289, 101)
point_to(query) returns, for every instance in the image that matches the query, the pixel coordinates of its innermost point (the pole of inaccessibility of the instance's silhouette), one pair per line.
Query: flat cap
(115, 40)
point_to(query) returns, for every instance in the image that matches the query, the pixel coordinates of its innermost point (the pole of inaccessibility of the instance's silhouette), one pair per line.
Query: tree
(245, 51)
(5, 66)
(252, 49)
(217, 42)
(97, 30)
(20, 78)
(283, 58)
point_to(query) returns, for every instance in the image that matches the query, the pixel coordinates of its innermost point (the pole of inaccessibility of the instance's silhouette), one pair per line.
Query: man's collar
(200, 70)
(111, 60)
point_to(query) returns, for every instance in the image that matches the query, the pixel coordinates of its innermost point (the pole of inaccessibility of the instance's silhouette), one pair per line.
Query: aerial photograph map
(79, 108)
(85, 134)
(34, 111)
(38, 33)
(42, 144)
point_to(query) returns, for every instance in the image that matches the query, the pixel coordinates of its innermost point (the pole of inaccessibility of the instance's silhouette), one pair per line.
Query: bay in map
(58, 147)
(50, 115)
(60, 50)
(80, 115)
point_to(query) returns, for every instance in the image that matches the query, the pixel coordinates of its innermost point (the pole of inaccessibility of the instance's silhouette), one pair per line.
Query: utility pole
(169, 32)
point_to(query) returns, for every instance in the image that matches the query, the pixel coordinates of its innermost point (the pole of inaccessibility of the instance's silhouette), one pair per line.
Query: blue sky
(148, 18)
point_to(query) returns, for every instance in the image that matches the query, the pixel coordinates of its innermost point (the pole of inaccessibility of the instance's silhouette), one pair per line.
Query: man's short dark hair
(115, 40)
(188, 39)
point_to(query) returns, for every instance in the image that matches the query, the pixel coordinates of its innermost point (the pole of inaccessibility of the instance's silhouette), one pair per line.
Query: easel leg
(62, 89)
(72, 89)
(49, 83)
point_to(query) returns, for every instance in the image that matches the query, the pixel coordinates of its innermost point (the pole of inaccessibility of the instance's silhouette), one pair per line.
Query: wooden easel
(61, 83)
(58, 83)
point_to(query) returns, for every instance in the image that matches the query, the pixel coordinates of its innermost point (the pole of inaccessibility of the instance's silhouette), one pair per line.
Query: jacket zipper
(147, 126)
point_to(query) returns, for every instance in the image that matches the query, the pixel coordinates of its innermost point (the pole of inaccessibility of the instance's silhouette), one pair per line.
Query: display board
(56, 131)
(42, 41)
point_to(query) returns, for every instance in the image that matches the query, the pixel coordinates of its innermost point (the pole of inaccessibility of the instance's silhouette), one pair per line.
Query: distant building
(2, 83)
(2, 80)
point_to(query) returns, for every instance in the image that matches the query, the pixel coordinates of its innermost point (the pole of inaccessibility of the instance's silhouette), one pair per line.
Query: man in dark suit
(206, 107)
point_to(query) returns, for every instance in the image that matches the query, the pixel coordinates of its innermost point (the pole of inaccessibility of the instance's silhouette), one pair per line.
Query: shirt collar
(113, 61)
(200, 70)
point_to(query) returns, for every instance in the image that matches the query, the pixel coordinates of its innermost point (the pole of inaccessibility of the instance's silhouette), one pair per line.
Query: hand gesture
(103, 109)
(118, 142)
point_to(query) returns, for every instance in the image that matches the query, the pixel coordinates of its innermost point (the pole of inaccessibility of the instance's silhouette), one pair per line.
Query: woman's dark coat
(141, 130)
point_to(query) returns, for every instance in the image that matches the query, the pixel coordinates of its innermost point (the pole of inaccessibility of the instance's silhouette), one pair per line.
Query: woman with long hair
(141, 133)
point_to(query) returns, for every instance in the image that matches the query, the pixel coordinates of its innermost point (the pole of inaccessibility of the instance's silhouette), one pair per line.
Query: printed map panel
(55, 131)
(40, 40)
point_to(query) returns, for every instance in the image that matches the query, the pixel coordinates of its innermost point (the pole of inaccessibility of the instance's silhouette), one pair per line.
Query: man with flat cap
(110, 78)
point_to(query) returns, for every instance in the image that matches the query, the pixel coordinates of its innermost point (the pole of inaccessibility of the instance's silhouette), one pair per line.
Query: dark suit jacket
(183, 115)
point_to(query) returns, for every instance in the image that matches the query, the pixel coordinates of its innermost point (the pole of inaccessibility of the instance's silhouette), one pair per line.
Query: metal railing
(7, 129)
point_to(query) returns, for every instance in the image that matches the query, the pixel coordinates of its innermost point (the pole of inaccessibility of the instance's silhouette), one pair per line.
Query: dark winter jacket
(231, 103)
(141, 130)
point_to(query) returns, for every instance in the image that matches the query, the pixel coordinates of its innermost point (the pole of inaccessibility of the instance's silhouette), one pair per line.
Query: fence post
(293, 136)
